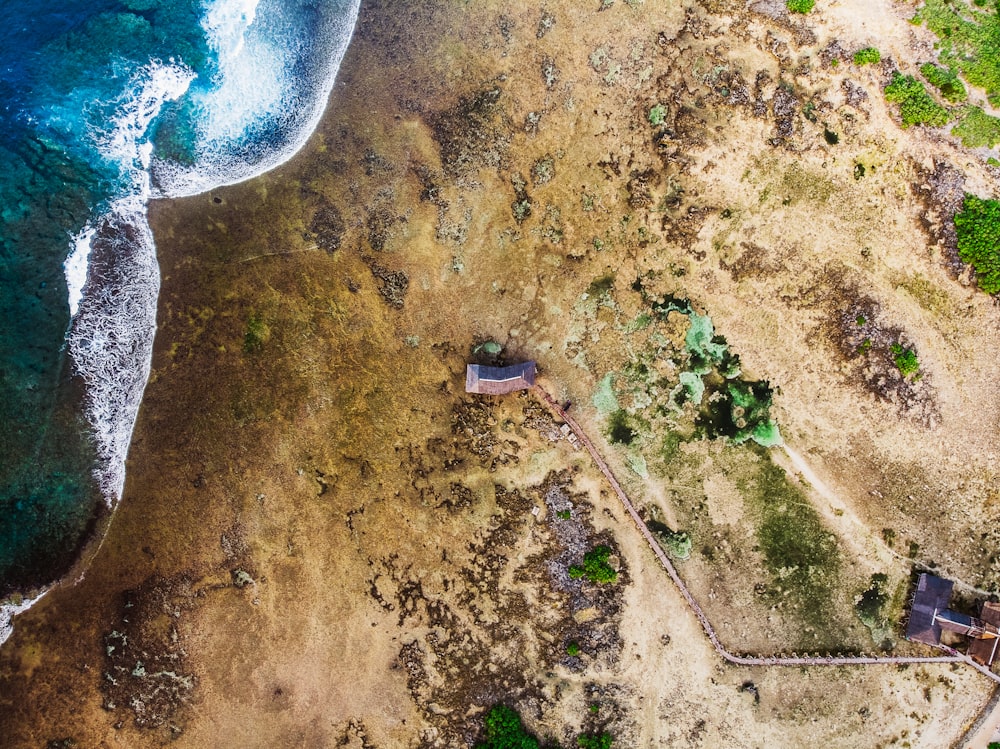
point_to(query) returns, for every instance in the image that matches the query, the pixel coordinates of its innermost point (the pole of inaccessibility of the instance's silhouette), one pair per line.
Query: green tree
(978, 228)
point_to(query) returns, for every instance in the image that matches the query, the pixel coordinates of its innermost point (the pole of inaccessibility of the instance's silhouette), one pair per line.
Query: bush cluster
(916, 106)
(867, 56)
(800, 6)
(595, 566)
(946, 81)
(978, 228)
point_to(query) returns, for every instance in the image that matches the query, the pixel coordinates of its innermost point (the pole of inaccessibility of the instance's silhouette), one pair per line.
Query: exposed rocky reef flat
(709, 229)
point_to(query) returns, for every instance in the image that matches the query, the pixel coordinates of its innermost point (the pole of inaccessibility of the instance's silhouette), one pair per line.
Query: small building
(930, 616)
(499, 380)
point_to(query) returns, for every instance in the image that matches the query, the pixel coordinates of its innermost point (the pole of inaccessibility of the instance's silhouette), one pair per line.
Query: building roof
(499, 380)
(985, 651)
(932, 596)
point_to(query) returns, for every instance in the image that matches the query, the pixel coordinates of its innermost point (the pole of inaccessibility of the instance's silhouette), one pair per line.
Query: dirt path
(953, 656)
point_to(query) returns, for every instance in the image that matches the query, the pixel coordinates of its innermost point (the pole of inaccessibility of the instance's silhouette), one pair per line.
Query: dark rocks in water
(328, 228)
(474, 134)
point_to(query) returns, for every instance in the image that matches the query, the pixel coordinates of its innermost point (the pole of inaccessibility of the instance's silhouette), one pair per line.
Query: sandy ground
(325, 542)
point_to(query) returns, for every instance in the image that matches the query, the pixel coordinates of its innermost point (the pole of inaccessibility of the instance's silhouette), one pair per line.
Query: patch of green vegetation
(657, 115)
(993, 745)
(799, 551)
(916, 106)
(595, 566)
(865, 346)
(504, 730)
(605, 400)
(573, 648)
(859, 171)
(905, 359)
(969, 41)
(870, 606)
(595, 741)
(257, 334)
(946, 81)
(830, 137)
(978, 228)
(601, 286)
(690, 389)
(800, 6)
(619, 431)
(677, 544)
(860, 320)
(978, 129)
(741, 411)
(867, 56)
(564, 514)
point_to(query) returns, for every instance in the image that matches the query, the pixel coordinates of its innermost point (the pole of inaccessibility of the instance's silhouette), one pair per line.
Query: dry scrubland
(325, 542)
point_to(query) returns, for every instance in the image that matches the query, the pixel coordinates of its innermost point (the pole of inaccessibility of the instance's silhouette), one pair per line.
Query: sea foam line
(111, 272)
(250, 63)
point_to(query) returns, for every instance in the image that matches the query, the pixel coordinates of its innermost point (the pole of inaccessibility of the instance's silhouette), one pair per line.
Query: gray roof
(932, 595)
(499, 380)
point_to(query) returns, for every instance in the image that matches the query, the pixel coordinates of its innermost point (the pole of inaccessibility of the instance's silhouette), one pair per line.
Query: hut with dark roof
(499, 380)
(930, 616)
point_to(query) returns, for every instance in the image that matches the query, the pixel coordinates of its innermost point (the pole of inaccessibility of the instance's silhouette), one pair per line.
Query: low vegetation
(867, 56)
(978, 129)
(916, 106)
(595, 566)
(969, 41)
(504, 730)
(800, 6)
(978, 228)
(946, 81)
(905, 359)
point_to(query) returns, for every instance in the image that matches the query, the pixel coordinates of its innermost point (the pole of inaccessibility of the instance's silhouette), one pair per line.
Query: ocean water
(104, 105)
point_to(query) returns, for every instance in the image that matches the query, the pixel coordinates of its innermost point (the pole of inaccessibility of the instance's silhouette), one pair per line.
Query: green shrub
(978, 129)
(905, 359)
(969, 41)
(916, 107)
(598, 741)
(800, 6)
(657, 113)
(946, 81)
(573, 648)
(595, 566)
(504, 730)
(978, 228)
(867, 56)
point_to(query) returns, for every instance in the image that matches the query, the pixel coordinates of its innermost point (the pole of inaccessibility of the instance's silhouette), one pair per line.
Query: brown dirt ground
(325, 542)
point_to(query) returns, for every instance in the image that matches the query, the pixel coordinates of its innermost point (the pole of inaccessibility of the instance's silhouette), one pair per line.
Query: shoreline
(114, 431)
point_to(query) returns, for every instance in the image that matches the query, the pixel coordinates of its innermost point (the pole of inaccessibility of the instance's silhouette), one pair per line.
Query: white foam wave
(260, 83)
(127, 143)
(9, 610)
(75, 267)
(111, 337)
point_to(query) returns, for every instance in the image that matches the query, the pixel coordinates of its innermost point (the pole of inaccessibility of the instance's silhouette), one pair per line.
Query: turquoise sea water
(105, 104)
